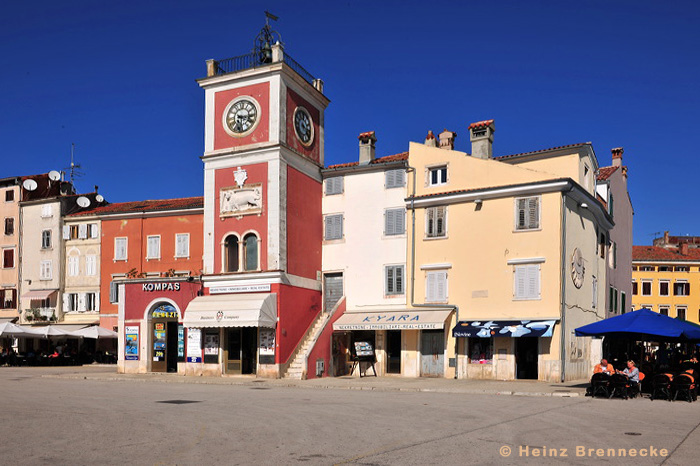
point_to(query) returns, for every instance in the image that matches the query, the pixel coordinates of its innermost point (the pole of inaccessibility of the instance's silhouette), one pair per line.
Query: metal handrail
(253, 60)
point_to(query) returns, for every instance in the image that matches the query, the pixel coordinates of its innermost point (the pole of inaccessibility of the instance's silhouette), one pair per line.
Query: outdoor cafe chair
(599, 385)
(661, 387)
(619, 386)
(684, 386)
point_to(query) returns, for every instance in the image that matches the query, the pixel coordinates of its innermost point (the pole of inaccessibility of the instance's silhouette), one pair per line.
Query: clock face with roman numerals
(241, 116)
(303, 126)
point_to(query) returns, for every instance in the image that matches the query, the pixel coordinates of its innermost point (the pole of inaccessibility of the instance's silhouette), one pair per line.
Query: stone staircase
(298, 368)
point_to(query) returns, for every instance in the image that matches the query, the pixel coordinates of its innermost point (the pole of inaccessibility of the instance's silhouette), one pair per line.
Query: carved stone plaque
(242, 200)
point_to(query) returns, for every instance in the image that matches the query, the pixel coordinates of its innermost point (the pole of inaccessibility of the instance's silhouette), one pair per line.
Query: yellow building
(513, 243)
(665, 277)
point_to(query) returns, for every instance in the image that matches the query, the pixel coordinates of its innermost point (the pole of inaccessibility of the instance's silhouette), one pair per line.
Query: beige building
(512, 243)
(9, 246)
(81, 293)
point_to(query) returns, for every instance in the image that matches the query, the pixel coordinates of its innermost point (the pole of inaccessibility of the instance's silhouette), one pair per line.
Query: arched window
(231, 248)
(250, 251)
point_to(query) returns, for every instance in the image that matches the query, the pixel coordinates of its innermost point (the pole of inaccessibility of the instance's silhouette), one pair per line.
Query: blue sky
(118, 80)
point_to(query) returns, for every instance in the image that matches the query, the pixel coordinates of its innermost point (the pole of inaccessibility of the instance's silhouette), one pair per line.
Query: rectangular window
(436, 287)
(527, 213)
(113, 292)
(8, 258)
(663, 288)
(435, 222)
(480, 350)
(182, 245)
(635, 288)
(646, 288)
(73, 265)
(623, 302)
(93, 230)
(153, 247)
(611, 299)
(437, 176)
(45, 270)
(71, 301)
(394, 222)
(46, 239)
(394, 178)
(680, 312)
(334, 227)
(120, 249)
(663, 310)
(394, 279)
(74, 231)
(646, 268)
(9, 226)
(601, 245)
(661, 268)
(91, 265)
(526, 282)
(8, 299)
(681, 289)
(83, 231)
(47, 210)
(334, 185)
(90, 302)
(9, 195)
(682, 268)
(615, 301)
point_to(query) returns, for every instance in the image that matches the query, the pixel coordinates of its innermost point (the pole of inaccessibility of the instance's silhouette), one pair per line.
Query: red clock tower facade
(263, 151)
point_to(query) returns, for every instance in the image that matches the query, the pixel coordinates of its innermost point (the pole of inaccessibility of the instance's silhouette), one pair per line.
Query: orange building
(147, 239)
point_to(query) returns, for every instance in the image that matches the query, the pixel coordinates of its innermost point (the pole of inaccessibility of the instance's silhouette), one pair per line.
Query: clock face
(578, 269)
(241, 116)
(303, 126)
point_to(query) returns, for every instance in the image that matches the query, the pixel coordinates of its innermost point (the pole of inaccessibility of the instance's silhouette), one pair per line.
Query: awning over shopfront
(406, 319)
(38, 294)
(504, 328)
(232, 310)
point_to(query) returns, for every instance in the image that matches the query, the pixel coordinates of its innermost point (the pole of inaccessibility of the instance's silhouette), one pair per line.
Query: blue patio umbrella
(642, 325)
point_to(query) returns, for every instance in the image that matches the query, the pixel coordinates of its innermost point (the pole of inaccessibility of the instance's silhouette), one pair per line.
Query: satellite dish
(30, 185)
(99, 198)
(83, 201)
(54, 175)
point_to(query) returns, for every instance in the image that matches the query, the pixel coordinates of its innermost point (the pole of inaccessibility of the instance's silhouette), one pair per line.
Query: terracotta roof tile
(146, 206)
(387, 159)
(656, 253)
(502, 157)
(368, 134)
(480, 124)
(605, 172)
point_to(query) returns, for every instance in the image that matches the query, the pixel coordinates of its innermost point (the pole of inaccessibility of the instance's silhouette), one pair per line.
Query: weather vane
(265, 39)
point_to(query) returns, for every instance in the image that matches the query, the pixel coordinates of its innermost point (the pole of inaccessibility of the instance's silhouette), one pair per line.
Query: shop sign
(194, 345)
(180, 341)
(131, 349)
(164, 311)
(239, 289)
(160, 286)
(158, 341)
(211, 344)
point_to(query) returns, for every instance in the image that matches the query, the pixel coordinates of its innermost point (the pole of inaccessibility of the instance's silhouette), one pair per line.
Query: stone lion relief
(238, 201)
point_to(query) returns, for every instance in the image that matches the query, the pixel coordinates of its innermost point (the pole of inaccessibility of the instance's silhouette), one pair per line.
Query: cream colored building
(511, 241)
(81, 293)
(364, 257)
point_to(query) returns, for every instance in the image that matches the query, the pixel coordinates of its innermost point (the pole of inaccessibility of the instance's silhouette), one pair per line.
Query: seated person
(604, 368)
(631, 372)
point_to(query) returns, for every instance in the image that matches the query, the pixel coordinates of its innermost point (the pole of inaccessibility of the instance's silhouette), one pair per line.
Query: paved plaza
(90, 415)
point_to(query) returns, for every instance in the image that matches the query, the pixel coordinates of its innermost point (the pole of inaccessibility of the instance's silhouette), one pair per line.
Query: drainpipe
(413, 268)
(562, 348)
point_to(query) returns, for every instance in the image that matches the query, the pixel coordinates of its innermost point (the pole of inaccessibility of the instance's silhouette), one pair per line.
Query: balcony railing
(254, 60)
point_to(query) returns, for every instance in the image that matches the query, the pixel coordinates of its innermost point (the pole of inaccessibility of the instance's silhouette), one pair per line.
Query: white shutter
(97, 301)
(533, 213)
(66, 302)
(82, 231)
(93, 230)
(441, 286)
(400, 219)
(182, 245)
(519, 282)
(389, 222)
(91, 265)
(431, 288)
(334, 185)
(81, 302)
(533, 281)
(120, 248)
(66, 232)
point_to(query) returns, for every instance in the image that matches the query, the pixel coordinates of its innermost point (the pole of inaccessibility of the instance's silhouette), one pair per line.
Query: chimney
(430, 140)
(481, 136)
(447, 140)
(617, 156)
(684, 248)
(367, 150)
(666, 237)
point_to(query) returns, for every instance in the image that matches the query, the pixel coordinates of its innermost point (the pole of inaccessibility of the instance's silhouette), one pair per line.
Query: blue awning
(504, 328)
(642, 325)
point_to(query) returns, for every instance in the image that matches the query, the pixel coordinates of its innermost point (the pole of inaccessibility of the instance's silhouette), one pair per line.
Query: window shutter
(113, 293)
(390, 179)
(521, 214)
(66, 302)
(93, 230)
(81, 302)
(432, 287)
(533, 213)
(400, 215)
(431, 221)
(520, 279)
(66, 232)
(398, 288)
(82, 231)
(334, 185)
(97, 301)
(389, 280)
(440, 221)
(441, 289)
(182, 246)
(339, 227)
(329, 223)
(533, 281)
(389, 223)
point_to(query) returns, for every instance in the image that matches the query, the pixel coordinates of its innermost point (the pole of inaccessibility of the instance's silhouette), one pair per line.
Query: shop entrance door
(393, 351)
(241, 350)
(432, 349)
(164, 338)
(526, 358)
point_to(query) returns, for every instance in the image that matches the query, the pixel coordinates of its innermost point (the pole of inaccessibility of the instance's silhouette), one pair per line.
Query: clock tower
(263, 227)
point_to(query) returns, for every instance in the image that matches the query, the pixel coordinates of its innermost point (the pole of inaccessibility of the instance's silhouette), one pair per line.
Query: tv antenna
(74, 169)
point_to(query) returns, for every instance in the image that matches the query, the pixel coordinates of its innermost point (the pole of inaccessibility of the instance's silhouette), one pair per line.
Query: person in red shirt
(604, 368)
